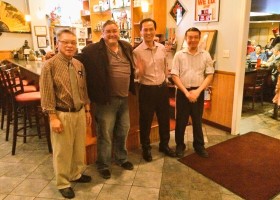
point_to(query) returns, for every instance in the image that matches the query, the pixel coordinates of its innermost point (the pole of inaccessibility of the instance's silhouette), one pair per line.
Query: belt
(68, 109)
(154, 86)
(192, 88)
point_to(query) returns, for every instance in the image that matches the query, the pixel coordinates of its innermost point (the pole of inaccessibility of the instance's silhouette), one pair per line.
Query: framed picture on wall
(177, 11)
(40, 30)
(207, 11)
(42, 41)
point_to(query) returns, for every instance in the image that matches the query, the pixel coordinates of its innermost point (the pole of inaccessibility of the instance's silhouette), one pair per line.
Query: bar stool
(6, 107)
(27, 103)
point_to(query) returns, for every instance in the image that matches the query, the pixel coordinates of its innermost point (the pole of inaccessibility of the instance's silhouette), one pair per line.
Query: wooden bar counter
(32, 71)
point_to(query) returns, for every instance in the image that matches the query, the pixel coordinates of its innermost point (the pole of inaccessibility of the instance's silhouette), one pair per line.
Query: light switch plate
(226, 54)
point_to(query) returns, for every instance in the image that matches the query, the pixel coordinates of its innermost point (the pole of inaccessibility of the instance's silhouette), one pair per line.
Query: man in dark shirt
(110, 77)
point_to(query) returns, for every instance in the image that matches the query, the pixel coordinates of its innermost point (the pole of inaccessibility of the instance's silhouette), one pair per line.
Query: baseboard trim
(218, 126)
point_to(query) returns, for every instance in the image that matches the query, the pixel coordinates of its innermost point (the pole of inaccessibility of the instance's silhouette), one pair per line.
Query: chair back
(3, 85)
(12, 80)
(260, 79)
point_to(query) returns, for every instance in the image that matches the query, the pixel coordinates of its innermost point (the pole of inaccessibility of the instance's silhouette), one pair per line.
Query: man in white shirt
(192, 71)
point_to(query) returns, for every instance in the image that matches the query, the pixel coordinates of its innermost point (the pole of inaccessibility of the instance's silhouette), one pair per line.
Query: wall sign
(40, 30)
(42, 41)
(177, 11)
(207, 10)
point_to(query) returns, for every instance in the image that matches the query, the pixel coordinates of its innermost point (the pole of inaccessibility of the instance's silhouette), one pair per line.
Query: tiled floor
(29, 175)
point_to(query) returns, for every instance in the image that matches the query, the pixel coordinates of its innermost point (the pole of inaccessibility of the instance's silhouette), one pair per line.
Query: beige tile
(85, 191)
(168, 192)
(13, 158)
(50, 191)
(7, 184)
(175, 179)
(14, 197)
(21, 170)
(204, 195)
(143, 193)
(43, 172)
(116, 192)
(155, 166)
(230, 197)
(37, 158)
(30, 187)
(148, 179)
(121, 177)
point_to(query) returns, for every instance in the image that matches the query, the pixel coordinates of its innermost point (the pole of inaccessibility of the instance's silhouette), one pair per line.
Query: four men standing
(109, 67)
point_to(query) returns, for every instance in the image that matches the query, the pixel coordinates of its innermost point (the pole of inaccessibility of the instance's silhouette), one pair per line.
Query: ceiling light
(27, 18)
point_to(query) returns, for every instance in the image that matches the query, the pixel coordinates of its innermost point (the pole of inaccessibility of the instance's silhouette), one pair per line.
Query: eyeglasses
(68, 42)
(114, 31)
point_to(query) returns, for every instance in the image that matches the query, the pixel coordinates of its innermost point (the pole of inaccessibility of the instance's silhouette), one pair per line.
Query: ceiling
(269, 9)
(268, 6)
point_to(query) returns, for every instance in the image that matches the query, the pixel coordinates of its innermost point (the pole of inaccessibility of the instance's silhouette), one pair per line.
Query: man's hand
(193, 95)
(49, 55)
(88, 118)
(55, 124)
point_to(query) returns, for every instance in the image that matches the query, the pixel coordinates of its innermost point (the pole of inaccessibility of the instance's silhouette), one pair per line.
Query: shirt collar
(186, 50)
(63, 58)
(145, 46)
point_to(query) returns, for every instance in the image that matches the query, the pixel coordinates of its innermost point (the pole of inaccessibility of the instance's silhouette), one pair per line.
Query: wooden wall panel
(221, 100)
(6, 54)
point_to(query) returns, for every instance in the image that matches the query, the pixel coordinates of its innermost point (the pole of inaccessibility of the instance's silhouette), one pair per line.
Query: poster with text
(207, 10)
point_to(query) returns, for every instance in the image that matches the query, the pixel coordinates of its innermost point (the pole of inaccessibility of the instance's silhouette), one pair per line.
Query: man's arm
(48, 102)
(180, 85)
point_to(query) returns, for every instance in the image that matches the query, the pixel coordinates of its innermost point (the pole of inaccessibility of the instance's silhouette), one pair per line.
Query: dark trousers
(184, 109)
(154, 99)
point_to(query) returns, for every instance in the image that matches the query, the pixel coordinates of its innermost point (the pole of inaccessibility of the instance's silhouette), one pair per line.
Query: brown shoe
(105, 173)
(83, 179)
(202, 153)
(127, 165)
(147, 155)
(67, 193)
(180, 150)
(167, 151)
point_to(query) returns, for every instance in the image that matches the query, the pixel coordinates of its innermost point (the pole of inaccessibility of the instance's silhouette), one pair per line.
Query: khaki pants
(69, 148)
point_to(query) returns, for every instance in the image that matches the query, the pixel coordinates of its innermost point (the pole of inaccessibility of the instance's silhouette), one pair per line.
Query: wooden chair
(255, 89)
(6, 98)
(26, 103)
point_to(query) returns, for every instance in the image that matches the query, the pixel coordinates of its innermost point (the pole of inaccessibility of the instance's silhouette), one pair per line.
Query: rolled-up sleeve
(176, 64)
(209, 65)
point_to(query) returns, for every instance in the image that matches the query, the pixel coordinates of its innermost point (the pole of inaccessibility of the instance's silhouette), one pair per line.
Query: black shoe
(127, 165)
(83, 179)
(167, 151)
(67, 193)
(105, 173)
(147, 155)
(202, 153)
(180, 150)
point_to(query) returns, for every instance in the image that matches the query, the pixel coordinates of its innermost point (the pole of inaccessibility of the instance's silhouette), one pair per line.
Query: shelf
(103, 12)
(120, 8)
